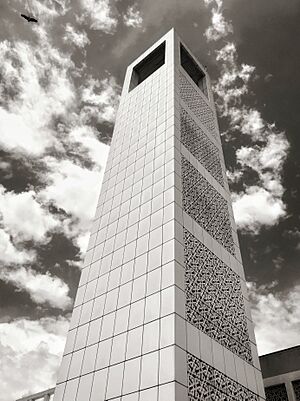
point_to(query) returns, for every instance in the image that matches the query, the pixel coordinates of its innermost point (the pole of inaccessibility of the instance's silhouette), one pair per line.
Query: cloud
(30, 355)
(273, 155)
(42, 288)
(50, 112)
(267, 159)
(35, 80)
(100, 15)
(133, 17)
(100, 99)
(74, 189)
(45, 114)
(234, 176)
(9, 254)
(98, 151)
(83, 242)
(280, 312)
(42, 10)
(24, 217)
(248, 121)
(79, 39)
(219, 27)
(258, 205)
(256, 208)
(32, 141)
(233, 82)
(261, 204)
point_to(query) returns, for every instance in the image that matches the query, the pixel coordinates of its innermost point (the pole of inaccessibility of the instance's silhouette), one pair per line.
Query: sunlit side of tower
(161, 311)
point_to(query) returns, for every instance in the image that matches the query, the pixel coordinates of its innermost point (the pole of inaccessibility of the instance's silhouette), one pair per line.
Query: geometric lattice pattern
(201, 147)
(197, 104)
(206, 383)
(296, 387)
(206, 206)
(276, 393)
(214, 299)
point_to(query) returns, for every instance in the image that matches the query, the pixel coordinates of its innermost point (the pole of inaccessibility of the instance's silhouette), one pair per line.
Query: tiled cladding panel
(276, 393)
(201, 147)
(207, 383)
(205, 205)
(214, 300)
(197, 104)
(296, 387)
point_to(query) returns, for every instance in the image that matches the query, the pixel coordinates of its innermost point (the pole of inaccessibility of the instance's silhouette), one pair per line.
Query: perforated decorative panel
(276, 393)
(206, 383)
(201, 147)
(197, 104)
(296, 387)
(205, 205)
(214, 300)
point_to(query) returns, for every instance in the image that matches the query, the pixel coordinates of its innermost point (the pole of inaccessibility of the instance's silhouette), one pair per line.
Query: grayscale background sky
(60, 82)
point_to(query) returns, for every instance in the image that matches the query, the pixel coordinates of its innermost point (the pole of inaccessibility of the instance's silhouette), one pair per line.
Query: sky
(60, 84)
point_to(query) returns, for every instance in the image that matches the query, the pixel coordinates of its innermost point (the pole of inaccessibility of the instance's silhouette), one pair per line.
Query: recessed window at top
(148, 66)
(193, 69)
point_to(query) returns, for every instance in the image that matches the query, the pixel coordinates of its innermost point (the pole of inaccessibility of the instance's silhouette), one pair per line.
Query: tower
(161, 311)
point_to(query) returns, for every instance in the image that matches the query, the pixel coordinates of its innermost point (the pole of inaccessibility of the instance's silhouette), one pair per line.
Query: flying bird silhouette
(29, 19)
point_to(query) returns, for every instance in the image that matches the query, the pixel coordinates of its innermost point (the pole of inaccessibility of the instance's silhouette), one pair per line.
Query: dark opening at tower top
(193, 69)
(148, 66)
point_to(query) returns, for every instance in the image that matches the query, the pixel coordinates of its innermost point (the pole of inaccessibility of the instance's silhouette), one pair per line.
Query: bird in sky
(29, 19)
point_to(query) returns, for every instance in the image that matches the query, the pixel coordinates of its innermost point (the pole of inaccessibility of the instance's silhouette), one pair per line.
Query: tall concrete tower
(161, 312)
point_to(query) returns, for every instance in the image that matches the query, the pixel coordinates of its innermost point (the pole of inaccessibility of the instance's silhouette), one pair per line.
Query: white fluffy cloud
(273, 155)
(73, 36)
(233, 82)
(24, 217)
(30, 355)
(9, 254)
(97, 150)
(42, 288)
(281, 312)
(100, 15)
(133, 17)
(256, 208)
(219, 27)
(45, 10)
(49, 106)
(100, 99)
(249, 121)
(266, 160)
(73, 188)
(83, 242)
(261, 204)
(39, 78)
(16, 134)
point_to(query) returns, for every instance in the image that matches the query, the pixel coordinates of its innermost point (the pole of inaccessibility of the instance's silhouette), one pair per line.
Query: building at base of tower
(281, 373)
(162, 311)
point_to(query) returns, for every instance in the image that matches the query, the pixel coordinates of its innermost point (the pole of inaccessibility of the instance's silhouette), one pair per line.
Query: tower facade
(161, 311)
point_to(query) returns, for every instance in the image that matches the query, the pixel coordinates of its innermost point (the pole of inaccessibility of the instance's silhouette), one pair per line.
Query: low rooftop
(280, 362)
